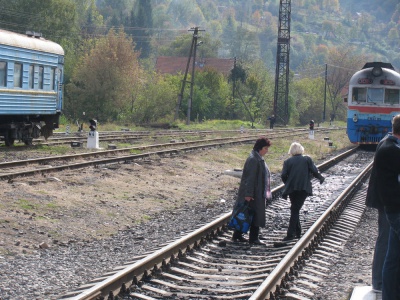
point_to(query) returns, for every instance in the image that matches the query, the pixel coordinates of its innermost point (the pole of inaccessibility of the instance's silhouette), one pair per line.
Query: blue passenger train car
(31, 86)
(373, 100)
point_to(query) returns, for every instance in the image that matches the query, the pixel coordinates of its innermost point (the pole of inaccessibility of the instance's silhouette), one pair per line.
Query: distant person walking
(296, 174)
(387, 168)
(271, 121)
(255, 188)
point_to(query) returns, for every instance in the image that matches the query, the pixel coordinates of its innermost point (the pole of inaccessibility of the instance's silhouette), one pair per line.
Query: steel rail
(135, 272)
(110, 136)
(274, 280)
(106, 161)
(151, 261)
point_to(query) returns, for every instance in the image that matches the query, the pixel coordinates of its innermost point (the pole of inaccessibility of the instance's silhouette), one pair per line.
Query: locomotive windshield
(375, 95)
(359, 95)
(392, 96)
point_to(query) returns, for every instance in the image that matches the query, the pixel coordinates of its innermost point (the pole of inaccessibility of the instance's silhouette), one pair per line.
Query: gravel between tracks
(96, 224)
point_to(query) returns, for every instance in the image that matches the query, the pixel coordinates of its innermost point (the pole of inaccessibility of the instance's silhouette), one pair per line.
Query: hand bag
(241, 218)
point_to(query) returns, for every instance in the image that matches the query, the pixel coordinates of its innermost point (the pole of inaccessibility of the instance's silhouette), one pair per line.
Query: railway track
(205, 264)
(31, 167)
(124, 136)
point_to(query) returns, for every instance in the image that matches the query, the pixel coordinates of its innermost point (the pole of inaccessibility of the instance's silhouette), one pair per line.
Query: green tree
(184, 12)
(104, 81)
(247, 45)
(55, 19)
(142, 26)
(228, 36)
(254, 97)
(329, 28)
(210, 95)
(156, 99)
(90, 20)
(308, 101)
(182, 44)
(115, 12)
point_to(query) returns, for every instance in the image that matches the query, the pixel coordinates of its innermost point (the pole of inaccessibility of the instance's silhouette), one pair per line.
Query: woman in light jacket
(255, 188)
(297, 172)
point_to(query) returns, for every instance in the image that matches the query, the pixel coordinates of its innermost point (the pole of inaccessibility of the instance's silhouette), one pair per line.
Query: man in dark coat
(387, 183)
(255, 189)
(373, 200)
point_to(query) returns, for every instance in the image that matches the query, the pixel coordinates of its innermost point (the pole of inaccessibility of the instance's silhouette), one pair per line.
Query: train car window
(52, 78)
(31, 76)
(359, 95)
(41, 74)
(392, 96)
(375, 95)
(3, 73)
(18, 75)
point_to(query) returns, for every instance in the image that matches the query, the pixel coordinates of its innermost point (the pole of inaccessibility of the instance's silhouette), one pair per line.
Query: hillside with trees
(111, 48)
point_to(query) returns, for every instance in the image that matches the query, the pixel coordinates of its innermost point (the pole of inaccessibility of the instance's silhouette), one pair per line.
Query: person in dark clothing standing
(296, 174)
(387, 185)
(271, 121)
(255, 188)
(372, 200)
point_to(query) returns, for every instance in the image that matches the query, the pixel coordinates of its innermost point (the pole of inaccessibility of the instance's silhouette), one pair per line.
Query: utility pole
(326, 79)
(281, 107)
(233, 88)
(180, 96)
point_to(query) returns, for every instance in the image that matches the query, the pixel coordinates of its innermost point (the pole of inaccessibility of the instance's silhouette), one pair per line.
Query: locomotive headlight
(377, 71)
(355, 118)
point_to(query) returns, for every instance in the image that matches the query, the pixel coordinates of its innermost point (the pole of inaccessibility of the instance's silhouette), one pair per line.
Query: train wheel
(8, 140)
(28, 142)
(46, 132)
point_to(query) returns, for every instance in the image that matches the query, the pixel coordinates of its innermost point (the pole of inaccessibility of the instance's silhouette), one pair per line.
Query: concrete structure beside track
(365, 293)
(235, 173)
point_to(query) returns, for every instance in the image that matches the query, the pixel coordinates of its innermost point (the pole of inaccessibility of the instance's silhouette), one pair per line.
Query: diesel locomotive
(373, 100)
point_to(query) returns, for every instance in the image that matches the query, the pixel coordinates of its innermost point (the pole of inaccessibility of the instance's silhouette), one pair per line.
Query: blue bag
(241, 218)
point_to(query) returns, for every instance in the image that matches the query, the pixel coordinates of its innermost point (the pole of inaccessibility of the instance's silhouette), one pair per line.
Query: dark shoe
(262, 238)
(288, 238)
(376, 290)
(239, 239)
(256, 242)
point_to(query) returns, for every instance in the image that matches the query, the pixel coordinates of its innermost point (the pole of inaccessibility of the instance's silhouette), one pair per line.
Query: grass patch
(146, 218)
(52, 206)
(54, 150)
(316, 148)
(26, 204)
(219, 125)
(135, 151)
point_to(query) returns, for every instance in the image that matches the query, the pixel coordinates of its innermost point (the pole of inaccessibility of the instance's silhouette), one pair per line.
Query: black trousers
(253, 234)
(297, 199)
